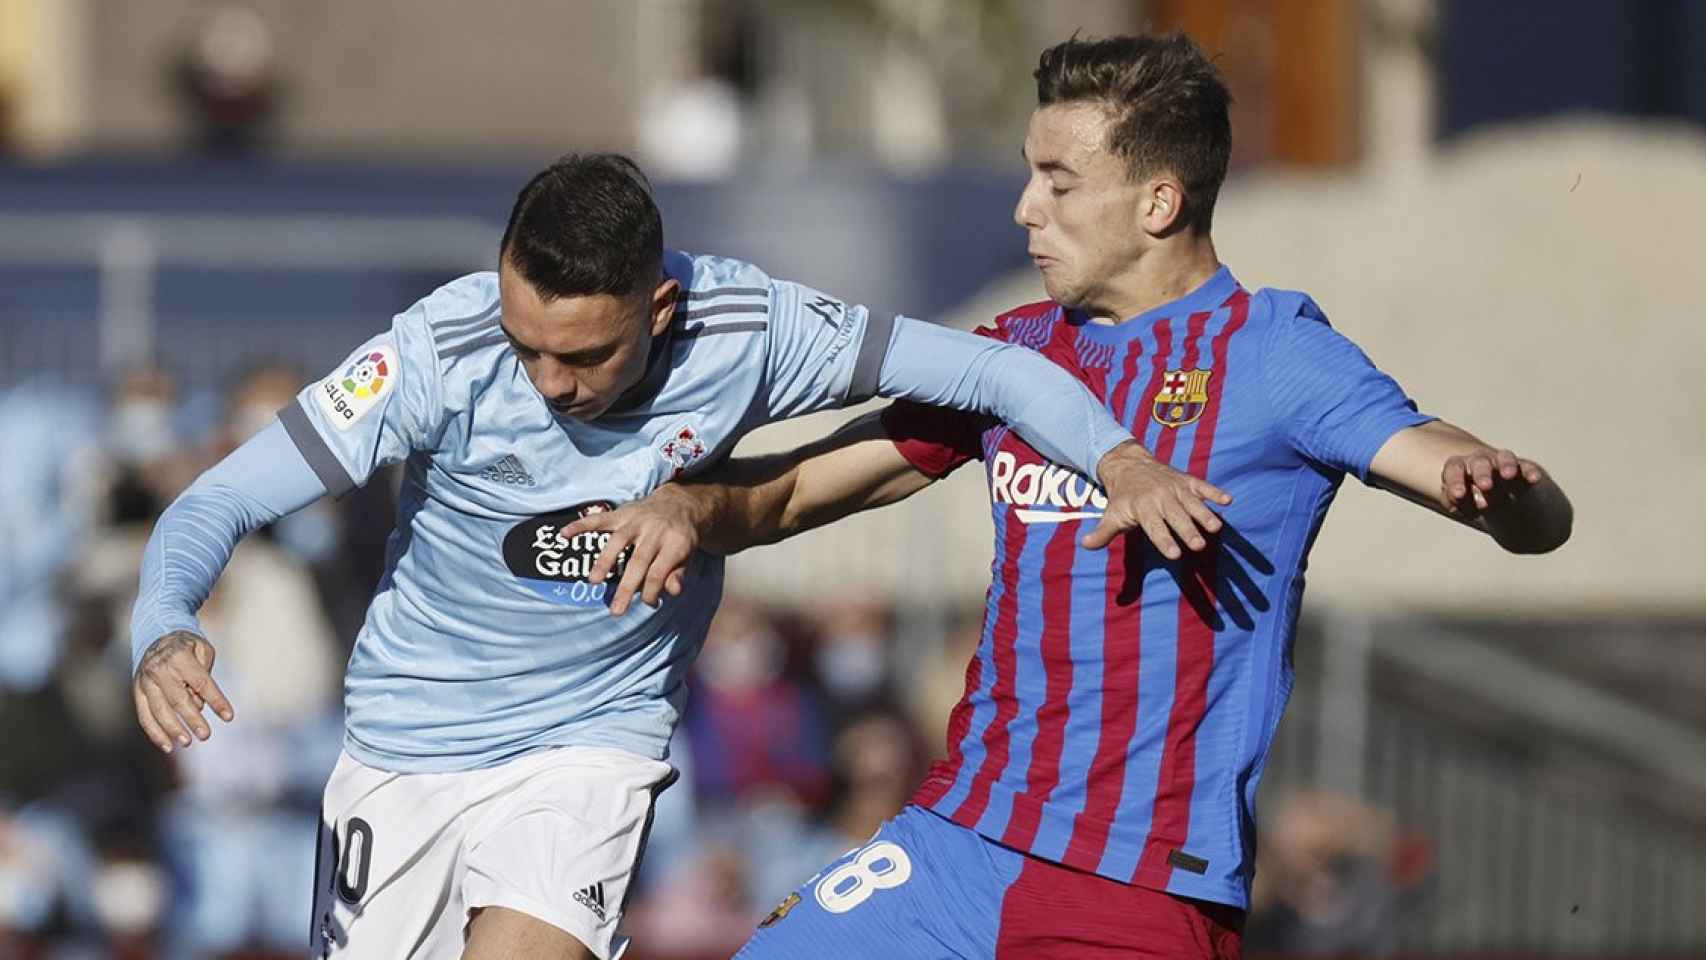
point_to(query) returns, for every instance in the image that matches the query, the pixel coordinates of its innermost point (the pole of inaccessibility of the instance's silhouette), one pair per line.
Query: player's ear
(1163, 206)
(664, 299)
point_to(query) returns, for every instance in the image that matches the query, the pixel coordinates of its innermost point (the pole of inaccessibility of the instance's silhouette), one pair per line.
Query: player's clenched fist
(1473, 483)
(172, 684)
(1167, 504)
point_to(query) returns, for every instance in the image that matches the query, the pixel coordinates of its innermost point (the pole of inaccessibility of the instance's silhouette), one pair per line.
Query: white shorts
(404, 857)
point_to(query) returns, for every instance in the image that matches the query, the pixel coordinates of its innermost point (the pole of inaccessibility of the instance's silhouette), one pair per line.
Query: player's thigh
(499, 933)
(562, 841)
(921, 889)
(385, 870)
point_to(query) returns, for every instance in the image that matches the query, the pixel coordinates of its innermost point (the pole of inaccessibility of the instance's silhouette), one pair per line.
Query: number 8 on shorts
(879, 866)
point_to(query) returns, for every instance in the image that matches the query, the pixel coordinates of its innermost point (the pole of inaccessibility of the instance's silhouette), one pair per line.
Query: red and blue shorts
(926, 888)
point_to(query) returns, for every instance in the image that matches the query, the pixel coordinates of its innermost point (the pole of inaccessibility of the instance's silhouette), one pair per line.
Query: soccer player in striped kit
(1098, 797)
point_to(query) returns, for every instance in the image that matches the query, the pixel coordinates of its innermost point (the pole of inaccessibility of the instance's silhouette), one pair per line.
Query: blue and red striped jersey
(1120, 707)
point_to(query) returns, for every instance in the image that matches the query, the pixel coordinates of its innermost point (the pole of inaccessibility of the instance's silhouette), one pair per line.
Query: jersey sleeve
(937, 440)
(1335, 406)
(822, 352)
(372, 410)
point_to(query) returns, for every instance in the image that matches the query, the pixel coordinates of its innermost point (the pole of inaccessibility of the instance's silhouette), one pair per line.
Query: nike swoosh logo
(1054, 516)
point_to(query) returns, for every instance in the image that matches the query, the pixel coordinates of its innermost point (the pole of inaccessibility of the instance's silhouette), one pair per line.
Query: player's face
(1082, 212)
(583, 353)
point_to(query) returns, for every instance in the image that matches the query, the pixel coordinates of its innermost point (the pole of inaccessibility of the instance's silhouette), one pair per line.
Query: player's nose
(1025, 211)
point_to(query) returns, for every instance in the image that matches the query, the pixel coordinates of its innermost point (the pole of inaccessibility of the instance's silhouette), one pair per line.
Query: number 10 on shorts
(878, 866)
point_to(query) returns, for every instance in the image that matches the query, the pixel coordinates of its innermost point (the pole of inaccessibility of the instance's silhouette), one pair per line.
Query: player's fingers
(1506, 463)
(1481, 471)
(150, 726)
(1205, 518)
(1453, 478)
(161, 709)
(1106, 530)
(1531, 471)
(1480, 498)
(608, 520)
(675, 583)
(609, 554)
(1182, 526)
(206, 689)
(632, 577)
(1155, 528)
(1208, 491)
(177, 692)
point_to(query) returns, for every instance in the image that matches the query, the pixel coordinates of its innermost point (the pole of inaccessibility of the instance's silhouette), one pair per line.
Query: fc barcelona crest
(1182, 398)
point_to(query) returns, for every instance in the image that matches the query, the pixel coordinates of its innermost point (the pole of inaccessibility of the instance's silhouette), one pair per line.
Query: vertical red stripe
(940, 779)
(1170, 823)
(1005, 635)
(1121, 646)
(998, 736)
(1044, 772)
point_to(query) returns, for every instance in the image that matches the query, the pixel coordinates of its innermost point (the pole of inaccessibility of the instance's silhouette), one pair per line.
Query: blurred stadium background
(205, 203)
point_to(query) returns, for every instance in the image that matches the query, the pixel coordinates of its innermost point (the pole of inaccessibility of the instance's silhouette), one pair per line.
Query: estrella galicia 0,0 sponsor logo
(556, 566)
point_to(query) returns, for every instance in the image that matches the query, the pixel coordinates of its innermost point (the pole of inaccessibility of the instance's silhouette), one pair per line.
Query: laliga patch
(681, 446)
(555, 566)
(347, 396)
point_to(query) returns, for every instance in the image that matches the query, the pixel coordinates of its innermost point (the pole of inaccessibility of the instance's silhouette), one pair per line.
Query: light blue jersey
(485, 640)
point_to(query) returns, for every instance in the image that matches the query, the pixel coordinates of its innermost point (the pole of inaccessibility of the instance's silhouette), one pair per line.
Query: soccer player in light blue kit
(506, 736)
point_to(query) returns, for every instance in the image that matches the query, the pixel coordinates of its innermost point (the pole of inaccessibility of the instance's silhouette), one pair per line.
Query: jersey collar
(1208, 296)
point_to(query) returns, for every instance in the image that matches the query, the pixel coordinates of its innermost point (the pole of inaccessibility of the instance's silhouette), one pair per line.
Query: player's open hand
(173, 683)
(1170, 506)
(1472, 483)
(662, 529)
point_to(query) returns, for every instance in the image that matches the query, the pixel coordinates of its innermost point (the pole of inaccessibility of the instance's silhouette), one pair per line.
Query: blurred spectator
(1334, 877)
(851, 657)
(753, 729)
(227, 77)
(48, 436)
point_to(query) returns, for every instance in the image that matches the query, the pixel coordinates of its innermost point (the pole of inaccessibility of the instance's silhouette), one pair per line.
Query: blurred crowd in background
(204, 203)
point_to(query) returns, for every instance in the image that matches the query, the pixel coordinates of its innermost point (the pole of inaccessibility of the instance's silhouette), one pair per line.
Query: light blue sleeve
(260, 481)
(1335, 405)
(1047, 406)
(825, 353)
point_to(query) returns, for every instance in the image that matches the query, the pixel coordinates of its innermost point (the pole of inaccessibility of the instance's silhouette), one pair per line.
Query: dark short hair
(1167, 103)
(583, 226)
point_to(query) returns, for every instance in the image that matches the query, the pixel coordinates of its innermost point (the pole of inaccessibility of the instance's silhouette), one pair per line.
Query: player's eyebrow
(585, 355)
(1048, 166)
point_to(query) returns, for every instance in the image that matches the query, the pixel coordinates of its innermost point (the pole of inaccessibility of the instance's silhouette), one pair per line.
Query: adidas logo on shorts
(592, 898)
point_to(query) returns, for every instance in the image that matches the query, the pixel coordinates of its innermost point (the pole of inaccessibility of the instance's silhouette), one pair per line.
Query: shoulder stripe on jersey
(469, 346)
(715, 292)
(868, 367)
(446, 330)
(712, 329)
(754, 309)
(312, 446)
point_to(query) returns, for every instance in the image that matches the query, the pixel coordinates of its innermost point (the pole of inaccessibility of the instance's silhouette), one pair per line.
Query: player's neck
(1164, 273)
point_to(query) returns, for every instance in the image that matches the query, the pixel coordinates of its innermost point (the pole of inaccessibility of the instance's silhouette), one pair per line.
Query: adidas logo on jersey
(592, 898)
(1056, 493)
(508, 470)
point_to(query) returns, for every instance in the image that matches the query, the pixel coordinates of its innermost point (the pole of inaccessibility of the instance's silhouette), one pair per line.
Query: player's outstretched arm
(1061, 418)
(259, 482)
(1450, 471)
(746, 502)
